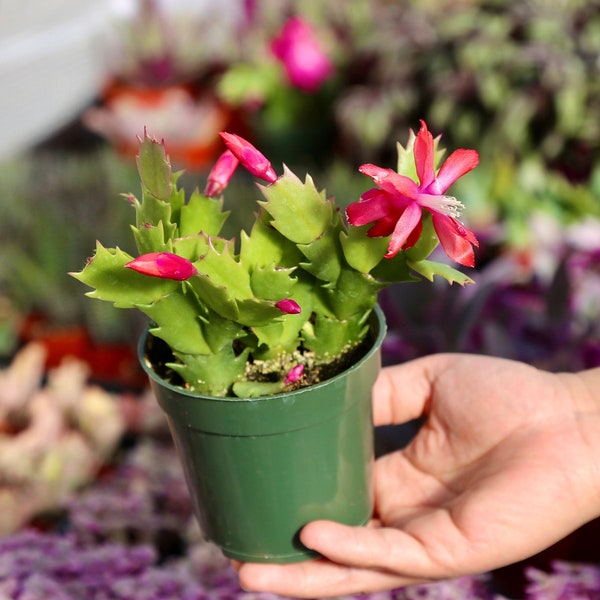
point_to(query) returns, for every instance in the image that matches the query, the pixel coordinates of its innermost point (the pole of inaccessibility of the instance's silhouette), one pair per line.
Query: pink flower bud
(165, 265)
(288, 306)
(298, 48)
(252, 159)
(294, 374)
(221, 173)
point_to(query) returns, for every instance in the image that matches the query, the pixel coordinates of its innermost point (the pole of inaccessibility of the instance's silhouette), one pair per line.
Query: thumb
(403, 392)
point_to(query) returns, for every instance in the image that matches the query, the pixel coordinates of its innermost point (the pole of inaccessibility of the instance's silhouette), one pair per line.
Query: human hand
(505, 464)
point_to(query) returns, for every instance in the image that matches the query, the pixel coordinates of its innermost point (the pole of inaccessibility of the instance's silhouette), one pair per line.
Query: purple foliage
(566, 581)
(41, 565)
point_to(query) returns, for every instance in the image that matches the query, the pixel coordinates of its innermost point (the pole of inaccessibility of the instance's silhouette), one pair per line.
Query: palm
(470, 474)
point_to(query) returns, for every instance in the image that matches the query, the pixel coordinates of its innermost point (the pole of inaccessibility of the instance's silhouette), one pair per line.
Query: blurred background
(322, 87)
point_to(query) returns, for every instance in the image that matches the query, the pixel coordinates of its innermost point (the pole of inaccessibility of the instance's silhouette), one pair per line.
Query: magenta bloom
(165, 265)
(294, 374)
(221, 173)
(252, 159)
(396, 205)
(300, 52)
(288, 306)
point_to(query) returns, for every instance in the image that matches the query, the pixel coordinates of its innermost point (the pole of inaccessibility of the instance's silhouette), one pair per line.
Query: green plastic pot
(259, 469)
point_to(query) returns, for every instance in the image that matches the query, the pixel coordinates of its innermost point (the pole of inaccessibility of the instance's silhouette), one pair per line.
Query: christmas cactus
(287, 302)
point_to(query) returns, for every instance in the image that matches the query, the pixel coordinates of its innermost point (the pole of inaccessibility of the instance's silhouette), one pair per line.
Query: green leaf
(254, 312)
(224, 270)
(299, 211)
(152, 211)
(215, 296)
(393, 270)
(256, 389)
(353, 293)
(183, 334)
(124, 287)
(283, 335)
(220, 332)
(429, 269)
(194, 246)
(272, 282)
(202, 214)
(154, 168)
(266, 246)
(324, 258)
(363, 253)
(328, 338)
(212, 374)
(151, 239)
(427, 241)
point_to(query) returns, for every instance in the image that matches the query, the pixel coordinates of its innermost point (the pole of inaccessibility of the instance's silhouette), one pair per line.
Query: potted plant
(263, 354)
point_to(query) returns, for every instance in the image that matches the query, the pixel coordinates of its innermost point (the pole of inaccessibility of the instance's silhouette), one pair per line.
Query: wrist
(584, 388)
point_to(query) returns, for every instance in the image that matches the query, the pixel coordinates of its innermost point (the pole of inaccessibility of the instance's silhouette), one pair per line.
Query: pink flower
(300, 52)
(221, 173)
(396, 205)
(294, 374)
(165, 265)
(288, 306)
(252, 159)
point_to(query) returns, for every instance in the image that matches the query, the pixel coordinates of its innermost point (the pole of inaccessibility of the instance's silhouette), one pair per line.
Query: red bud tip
(165, 265)
(294, 374)
(288, 306)
(254, 161)
(221, 174)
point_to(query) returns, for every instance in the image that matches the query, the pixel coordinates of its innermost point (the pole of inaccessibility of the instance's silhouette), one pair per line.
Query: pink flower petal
(457, 241)
(298, 48)
(456, 165)
(390, 181)
(424, 156)
(367, 211)
(404, 227)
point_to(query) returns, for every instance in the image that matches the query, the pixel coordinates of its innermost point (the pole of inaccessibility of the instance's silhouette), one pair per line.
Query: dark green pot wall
(259, 469)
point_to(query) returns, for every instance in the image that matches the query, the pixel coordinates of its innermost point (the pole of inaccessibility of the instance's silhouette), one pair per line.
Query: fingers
(383, 549)
(402, 392)
(356, 559)
(315, 579)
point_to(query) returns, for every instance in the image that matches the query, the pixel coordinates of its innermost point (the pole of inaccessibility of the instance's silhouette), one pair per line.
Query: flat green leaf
(256, 389)
(183, 334)
(215, 296)
(329, 337)
(272, 282)
(324, 257)
(151, 239)
(429, 269)
(265, 246)
(124, 287)
(363, 253)
(212, 374)
(353, 293)
(254, 312)
(154, 168)
(426, 243)
(191, 247)
(202, 214)
(299, 211)
(224, 270)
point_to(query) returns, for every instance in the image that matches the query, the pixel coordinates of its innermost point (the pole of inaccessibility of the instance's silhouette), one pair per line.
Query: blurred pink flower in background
(300, 51)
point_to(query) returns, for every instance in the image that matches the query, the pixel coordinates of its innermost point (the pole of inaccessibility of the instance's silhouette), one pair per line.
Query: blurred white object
(51, 66)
